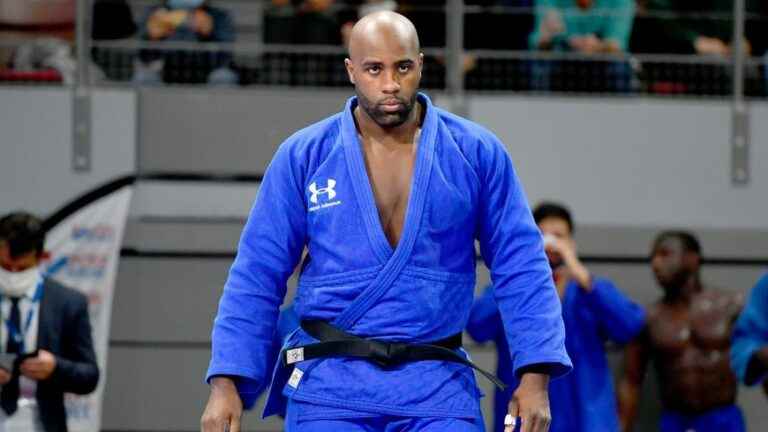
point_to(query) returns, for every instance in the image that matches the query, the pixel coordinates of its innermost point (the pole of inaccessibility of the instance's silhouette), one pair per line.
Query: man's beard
(387, 119)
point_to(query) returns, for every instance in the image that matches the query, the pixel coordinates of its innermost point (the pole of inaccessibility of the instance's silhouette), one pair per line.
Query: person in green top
(587, 27)
(686, 27)
(695, 27)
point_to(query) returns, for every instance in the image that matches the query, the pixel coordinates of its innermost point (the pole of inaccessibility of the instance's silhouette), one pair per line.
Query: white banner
(85, 249)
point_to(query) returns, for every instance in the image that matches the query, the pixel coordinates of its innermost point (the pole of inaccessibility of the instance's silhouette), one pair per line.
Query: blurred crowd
(588, 43)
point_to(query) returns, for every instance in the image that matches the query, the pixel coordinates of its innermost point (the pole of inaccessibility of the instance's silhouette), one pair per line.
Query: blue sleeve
(751, 332)
(484, 321)
(287, 322)
(269, 249)
(618, 316)
(512, 247)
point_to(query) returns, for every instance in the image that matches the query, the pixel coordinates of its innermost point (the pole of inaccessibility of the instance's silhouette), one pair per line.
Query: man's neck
(685, 292)
(395, 136)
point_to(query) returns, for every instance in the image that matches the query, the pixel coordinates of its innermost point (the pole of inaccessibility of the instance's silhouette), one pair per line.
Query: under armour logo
(326, 190)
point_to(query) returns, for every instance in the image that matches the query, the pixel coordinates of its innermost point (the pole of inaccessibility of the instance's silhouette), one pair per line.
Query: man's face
(19, 263)
(668, 263)
(557, 228)
(386, 72)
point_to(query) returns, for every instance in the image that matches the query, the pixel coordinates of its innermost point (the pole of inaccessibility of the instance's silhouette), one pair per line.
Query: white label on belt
(294, 355)
(295, 378)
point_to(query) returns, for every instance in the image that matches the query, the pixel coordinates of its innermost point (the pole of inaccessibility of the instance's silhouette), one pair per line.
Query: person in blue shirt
(389, 198)
(595, 312)
(749, 350)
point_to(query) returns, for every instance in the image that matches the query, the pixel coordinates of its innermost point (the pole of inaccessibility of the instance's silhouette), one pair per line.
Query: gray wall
(634, 162)
(36, 145)
(626, 166)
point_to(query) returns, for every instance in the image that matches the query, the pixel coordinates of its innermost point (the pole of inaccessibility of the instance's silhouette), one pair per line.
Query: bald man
(389, 197)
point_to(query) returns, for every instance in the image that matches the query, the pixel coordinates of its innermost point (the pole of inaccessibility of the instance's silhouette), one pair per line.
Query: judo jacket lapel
(394, 262)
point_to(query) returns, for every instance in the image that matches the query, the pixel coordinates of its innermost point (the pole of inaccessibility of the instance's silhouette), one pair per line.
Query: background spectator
(587, 27)
(191, 21)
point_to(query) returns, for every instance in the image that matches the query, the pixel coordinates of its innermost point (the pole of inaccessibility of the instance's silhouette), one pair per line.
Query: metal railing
(460, 62)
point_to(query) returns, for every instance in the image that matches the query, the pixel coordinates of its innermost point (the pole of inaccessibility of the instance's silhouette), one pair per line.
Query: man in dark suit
(39, 314)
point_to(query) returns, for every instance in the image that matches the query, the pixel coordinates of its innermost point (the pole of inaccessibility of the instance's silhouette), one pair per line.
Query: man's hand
(39, 368)
(588, 44)
(551, 26)
(530, 402)
(5, 377)
(161, 24)
(224, 408)
(202, 23)
(710, 46)
(566, 250)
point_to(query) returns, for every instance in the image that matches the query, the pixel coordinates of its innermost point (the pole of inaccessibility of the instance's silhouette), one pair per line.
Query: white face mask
(17, 284)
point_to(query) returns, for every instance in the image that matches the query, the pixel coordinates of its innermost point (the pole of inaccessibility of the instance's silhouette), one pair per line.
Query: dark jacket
(64, 329)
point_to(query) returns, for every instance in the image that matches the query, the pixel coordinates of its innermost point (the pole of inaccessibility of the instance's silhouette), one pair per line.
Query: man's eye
(374, 69)
(405, 68)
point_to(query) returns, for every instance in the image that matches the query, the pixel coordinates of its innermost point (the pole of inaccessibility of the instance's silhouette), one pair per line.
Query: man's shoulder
(461, 127)
(323, 133)
(475, 142)
(721, 299)
(54, 288)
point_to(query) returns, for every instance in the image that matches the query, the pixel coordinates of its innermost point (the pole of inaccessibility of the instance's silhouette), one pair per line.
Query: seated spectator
(689, 32)
(279, 17)
(316, 23)
(703, 27)
(505, 25)
(43, 56)
(186, 20)
(113, 20)
(587, 27)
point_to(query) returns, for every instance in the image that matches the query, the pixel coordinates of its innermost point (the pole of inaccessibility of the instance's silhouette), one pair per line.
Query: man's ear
(350, 70)
(692, 260)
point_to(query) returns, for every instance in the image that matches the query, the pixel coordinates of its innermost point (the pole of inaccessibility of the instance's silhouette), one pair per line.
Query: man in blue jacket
(388, 197)
(594, 311)
(749, 351)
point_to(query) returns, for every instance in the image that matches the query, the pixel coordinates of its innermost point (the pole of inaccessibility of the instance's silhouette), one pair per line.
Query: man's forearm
(627, 405)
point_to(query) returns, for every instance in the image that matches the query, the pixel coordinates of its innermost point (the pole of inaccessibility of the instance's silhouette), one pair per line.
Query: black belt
(336, 343)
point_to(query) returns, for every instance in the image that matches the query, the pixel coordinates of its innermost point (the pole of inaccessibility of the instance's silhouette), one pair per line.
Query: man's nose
(391, 83)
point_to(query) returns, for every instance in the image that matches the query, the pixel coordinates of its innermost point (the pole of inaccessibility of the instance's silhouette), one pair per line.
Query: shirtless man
(688, 336)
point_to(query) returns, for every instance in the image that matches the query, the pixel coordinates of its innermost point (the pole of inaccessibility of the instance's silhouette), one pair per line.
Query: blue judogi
(583, 400)
(751, 332)
(316, 193)
(724, 419)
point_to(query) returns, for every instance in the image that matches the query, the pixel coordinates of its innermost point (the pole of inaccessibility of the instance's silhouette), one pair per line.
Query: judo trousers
(376, 423)
(726, 419)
